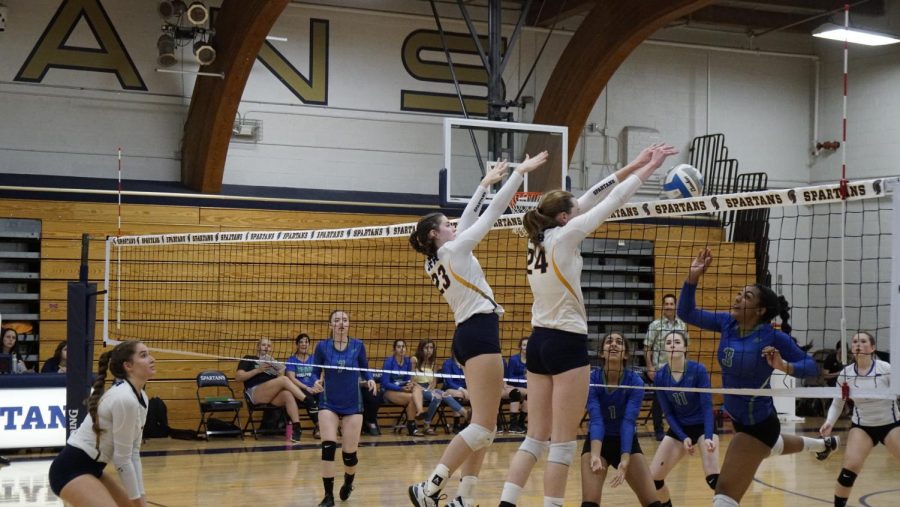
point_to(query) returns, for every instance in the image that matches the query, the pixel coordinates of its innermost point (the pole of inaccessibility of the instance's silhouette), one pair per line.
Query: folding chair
(215, 379)
(256, 413)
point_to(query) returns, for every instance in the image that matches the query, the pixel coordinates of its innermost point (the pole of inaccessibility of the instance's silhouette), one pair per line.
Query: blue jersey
(515, 371)
(614, 412)
(451, 368)
(741, 357)
(302, 369)
(686, 408)
(395, 381)
(341, 394)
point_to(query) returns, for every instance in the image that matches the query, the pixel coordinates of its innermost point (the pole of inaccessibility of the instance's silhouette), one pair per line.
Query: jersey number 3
(440, 279)
(537, 260)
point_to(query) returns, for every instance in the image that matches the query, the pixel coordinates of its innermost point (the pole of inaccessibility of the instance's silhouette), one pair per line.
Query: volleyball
(683, 181)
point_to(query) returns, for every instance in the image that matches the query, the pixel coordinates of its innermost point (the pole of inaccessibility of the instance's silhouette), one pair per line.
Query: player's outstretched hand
(530, 164)
(495, 174)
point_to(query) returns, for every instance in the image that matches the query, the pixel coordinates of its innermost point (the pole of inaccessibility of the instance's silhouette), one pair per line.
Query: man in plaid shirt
(655, 351)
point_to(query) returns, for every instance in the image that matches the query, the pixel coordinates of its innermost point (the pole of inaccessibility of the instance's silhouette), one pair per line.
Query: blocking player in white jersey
(458, 276)
(873, 421)
(557, 358)
(112, 431)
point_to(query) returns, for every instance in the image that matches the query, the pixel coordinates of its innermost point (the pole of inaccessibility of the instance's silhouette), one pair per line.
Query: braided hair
(775, 305)
(114, 361)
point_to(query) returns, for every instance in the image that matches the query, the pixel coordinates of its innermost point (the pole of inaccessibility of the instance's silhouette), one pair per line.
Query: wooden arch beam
(241, 29)
(606, 37)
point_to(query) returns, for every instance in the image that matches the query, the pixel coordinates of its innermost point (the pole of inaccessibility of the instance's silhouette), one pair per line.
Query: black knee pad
(655, 504)
(350, 459)
(659, 484)
(515, 395)
(311, 403)
(590, 504)
(846, 478)
(712, 480)
(329, 448)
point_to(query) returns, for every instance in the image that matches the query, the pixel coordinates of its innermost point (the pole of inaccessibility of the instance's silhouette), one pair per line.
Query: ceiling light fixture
(854, 35)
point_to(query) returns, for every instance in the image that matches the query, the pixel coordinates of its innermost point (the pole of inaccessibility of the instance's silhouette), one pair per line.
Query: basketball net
(521, 203)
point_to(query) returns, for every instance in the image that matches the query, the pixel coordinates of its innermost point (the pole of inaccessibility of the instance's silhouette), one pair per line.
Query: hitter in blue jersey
(690, 416)
(612, 439)
(749, 349)
(341, 401)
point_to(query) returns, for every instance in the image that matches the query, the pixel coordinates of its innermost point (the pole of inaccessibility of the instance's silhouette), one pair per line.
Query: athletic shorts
(693, 431)
(476, 336)
(70, 463)
(877, 433)
(611, 451)
(766, 431)
(552, 351)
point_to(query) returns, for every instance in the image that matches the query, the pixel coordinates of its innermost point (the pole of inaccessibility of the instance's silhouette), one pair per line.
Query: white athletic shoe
(418, 497)
(457, 502)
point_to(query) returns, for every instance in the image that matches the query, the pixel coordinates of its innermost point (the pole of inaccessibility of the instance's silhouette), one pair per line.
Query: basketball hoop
(521, 203)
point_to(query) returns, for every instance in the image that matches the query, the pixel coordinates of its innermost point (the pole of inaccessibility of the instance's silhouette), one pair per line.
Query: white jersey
(867, 411)
(455, 271)
(122, 412)
(554, 266)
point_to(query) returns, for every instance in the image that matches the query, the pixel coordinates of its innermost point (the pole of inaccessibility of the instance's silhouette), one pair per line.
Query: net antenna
(521, 203)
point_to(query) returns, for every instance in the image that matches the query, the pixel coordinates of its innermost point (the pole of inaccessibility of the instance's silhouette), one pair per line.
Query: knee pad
(659, 484)
(712, 480)
(350, 459)
(846, 478)
(534, 447)
(590, 504)
(329, 447)
(515, 395)
(778, 448)
(562, 452)
(477, 437)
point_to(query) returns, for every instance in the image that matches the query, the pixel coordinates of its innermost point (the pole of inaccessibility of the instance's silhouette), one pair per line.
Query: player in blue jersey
(558, 367)
(299, 369)
(341, 401)
(612, 437)
(515, 389)
(458, 276)
(690, 416)
(749, 349)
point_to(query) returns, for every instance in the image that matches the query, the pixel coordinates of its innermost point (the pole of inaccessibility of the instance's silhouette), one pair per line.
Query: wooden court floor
(231, 472)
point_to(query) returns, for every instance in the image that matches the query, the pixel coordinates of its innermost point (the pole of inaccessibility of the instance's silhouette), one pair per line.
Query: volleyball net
(215, 294)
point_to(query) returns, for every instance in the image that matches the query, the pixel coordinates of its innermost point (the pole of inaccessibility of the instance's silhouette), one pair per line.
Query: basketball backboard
(472, 147)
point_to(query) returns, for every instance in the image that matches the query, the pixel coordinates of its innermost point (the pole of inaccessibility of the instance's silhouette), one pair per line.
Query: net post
(895, 287)
(106, 291)
(81, 315)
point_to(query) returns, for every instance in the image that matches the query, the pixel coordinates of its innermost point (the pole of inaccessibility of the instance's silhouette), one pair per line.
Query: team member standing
(458, 276)
(689, 414)
(655, 352)
(873, 421)
(558, 371)
(111, 432)
(749, 349)
(612, 436)
(341, 402)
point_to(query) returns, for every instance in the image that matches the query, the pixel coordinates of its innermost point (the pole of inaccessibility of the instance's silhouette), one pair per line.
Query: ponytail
(543, 217)
(784, 312)
(420, 239)
(775, 305)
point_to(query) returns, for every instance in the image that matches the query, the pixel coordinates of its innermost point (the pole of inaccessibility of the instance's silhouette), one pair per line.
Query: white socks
(550, 501)
(437, 479)
(511, 493)
(724, 501)
(813, 444)
(467, 489)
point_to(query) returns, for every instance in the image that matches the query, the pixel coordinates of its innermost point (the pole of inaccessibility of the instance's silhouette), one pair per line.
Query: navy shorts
(693, 431)
(877, 433)
(611, 451)
(477, 335)
(552, 351)
(766, 431)
(70, 463)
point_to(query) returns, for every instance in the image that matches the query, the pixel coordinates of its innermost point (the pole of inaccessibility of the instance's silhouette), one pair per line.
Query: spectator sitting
(299, 369)
(515, 391)
(423, 363)
(832, 365)
(399, 389)
(57, 363)
(455, 386)
(264, 382)
(10, 346)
